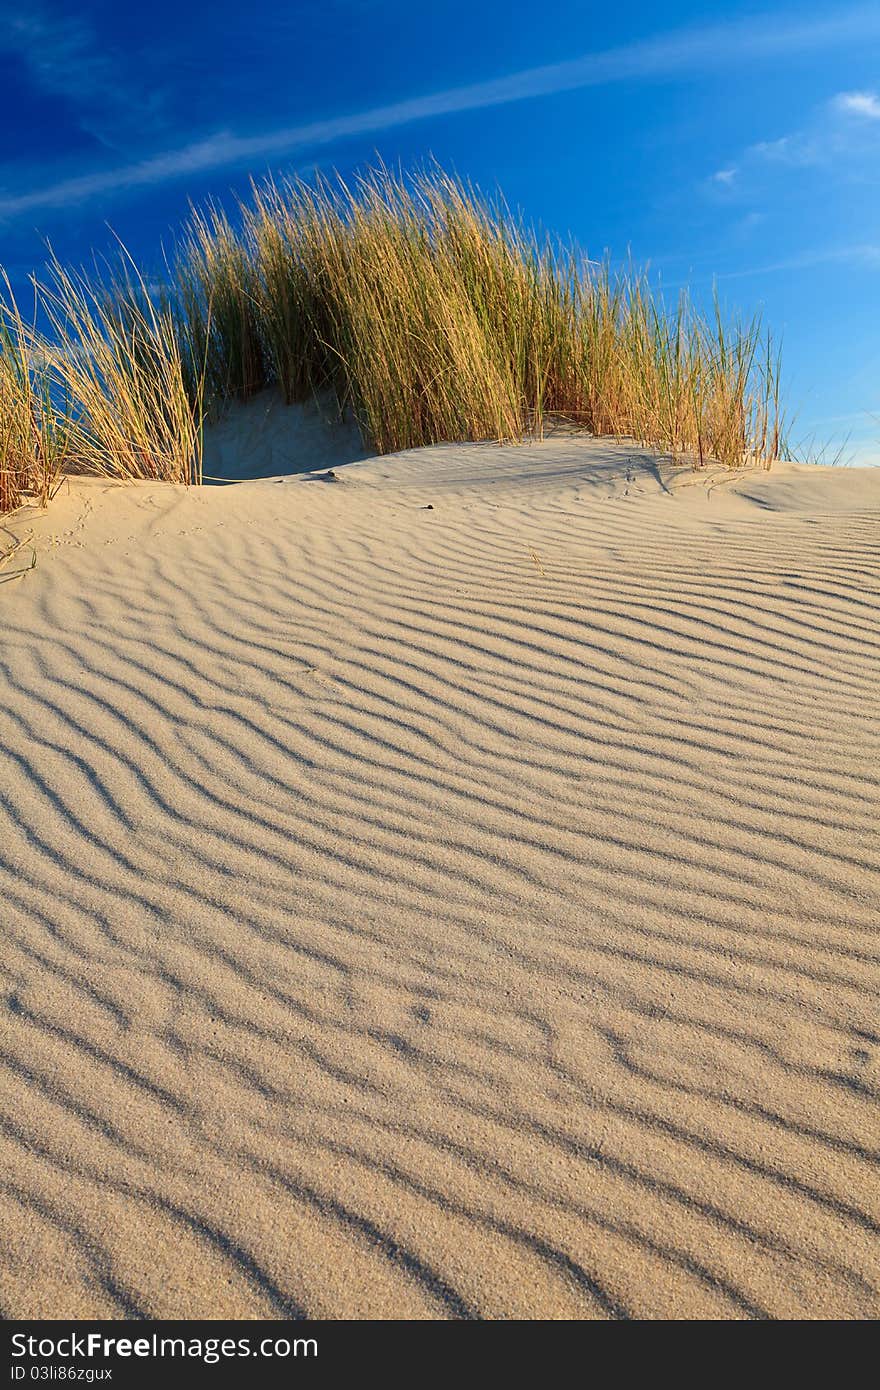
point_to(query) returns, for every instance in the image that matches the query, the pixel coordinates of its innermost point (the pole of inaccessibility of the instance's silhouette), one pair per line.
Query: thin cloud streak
(63, 55)
(696, 50)
(865, 254)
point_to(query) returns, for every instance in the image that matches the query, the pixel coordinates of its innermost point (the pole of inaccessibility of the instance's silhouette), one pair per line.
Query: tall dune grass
(437, 316)
(216, 315)
(106, 388)
(136, 405)
(34, 426)
(430, 312)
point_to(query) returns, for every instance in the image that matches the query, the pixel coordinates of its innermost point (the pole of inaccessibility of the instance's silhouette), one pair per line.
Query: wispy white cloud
(839, 135)
(694, 51)
(60, 51)
(772, 149)
(64, 57)
(863, 254)
(859, 104)
(798, 150)
(856, 255)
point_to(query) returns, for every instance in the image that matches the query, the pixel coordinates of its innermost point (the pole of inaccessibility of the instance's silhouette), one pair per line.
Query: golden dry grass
(438, 316)
(118, 357)
(432, 313)
(33, 430)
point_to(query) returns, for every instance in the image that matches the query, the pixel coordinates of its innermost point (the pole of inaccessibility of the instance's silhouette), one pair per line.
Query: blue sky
(744, 146)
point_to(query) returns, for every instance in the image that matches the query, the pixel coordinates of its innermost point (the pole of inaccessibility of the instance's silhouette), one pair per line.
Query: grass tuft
(432, 313)
(436, 315)
(136, 409)
(34, 427)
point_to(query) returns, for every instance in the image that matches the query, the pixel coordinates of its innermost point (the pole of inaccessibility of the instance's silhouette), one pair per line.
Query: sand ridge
(445, 889)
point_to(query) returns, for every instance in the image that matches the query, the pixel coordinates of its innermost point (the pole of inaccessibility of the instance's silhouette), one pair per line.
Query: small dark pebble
(429, 508)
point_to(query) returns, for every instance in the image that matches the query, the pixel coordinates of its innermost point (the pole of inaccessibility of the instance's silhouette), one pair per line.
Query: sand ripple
(455, 912)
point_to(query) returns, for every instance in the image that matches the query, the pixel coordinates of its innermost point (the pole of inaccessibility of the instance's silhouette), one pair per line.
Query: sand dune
(449, 889)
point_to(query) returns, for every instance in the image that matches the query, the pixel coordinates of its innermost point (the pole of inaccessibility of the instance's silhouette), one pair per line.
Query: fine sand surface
(464, 912)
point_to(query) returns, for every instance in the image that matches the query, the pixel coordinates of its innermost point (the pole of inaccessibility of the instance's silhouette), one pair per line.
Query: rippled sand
(455, 912)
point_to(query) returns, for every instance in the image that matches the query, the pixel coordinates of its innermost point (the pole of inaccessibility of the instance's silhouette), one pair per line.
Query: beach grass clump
(291, 233)
(34, 421)
(419, 361)
(674, 379)
(116, 353)
(435, 315)
(430, 312)
(216, 315)
(408, 298)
